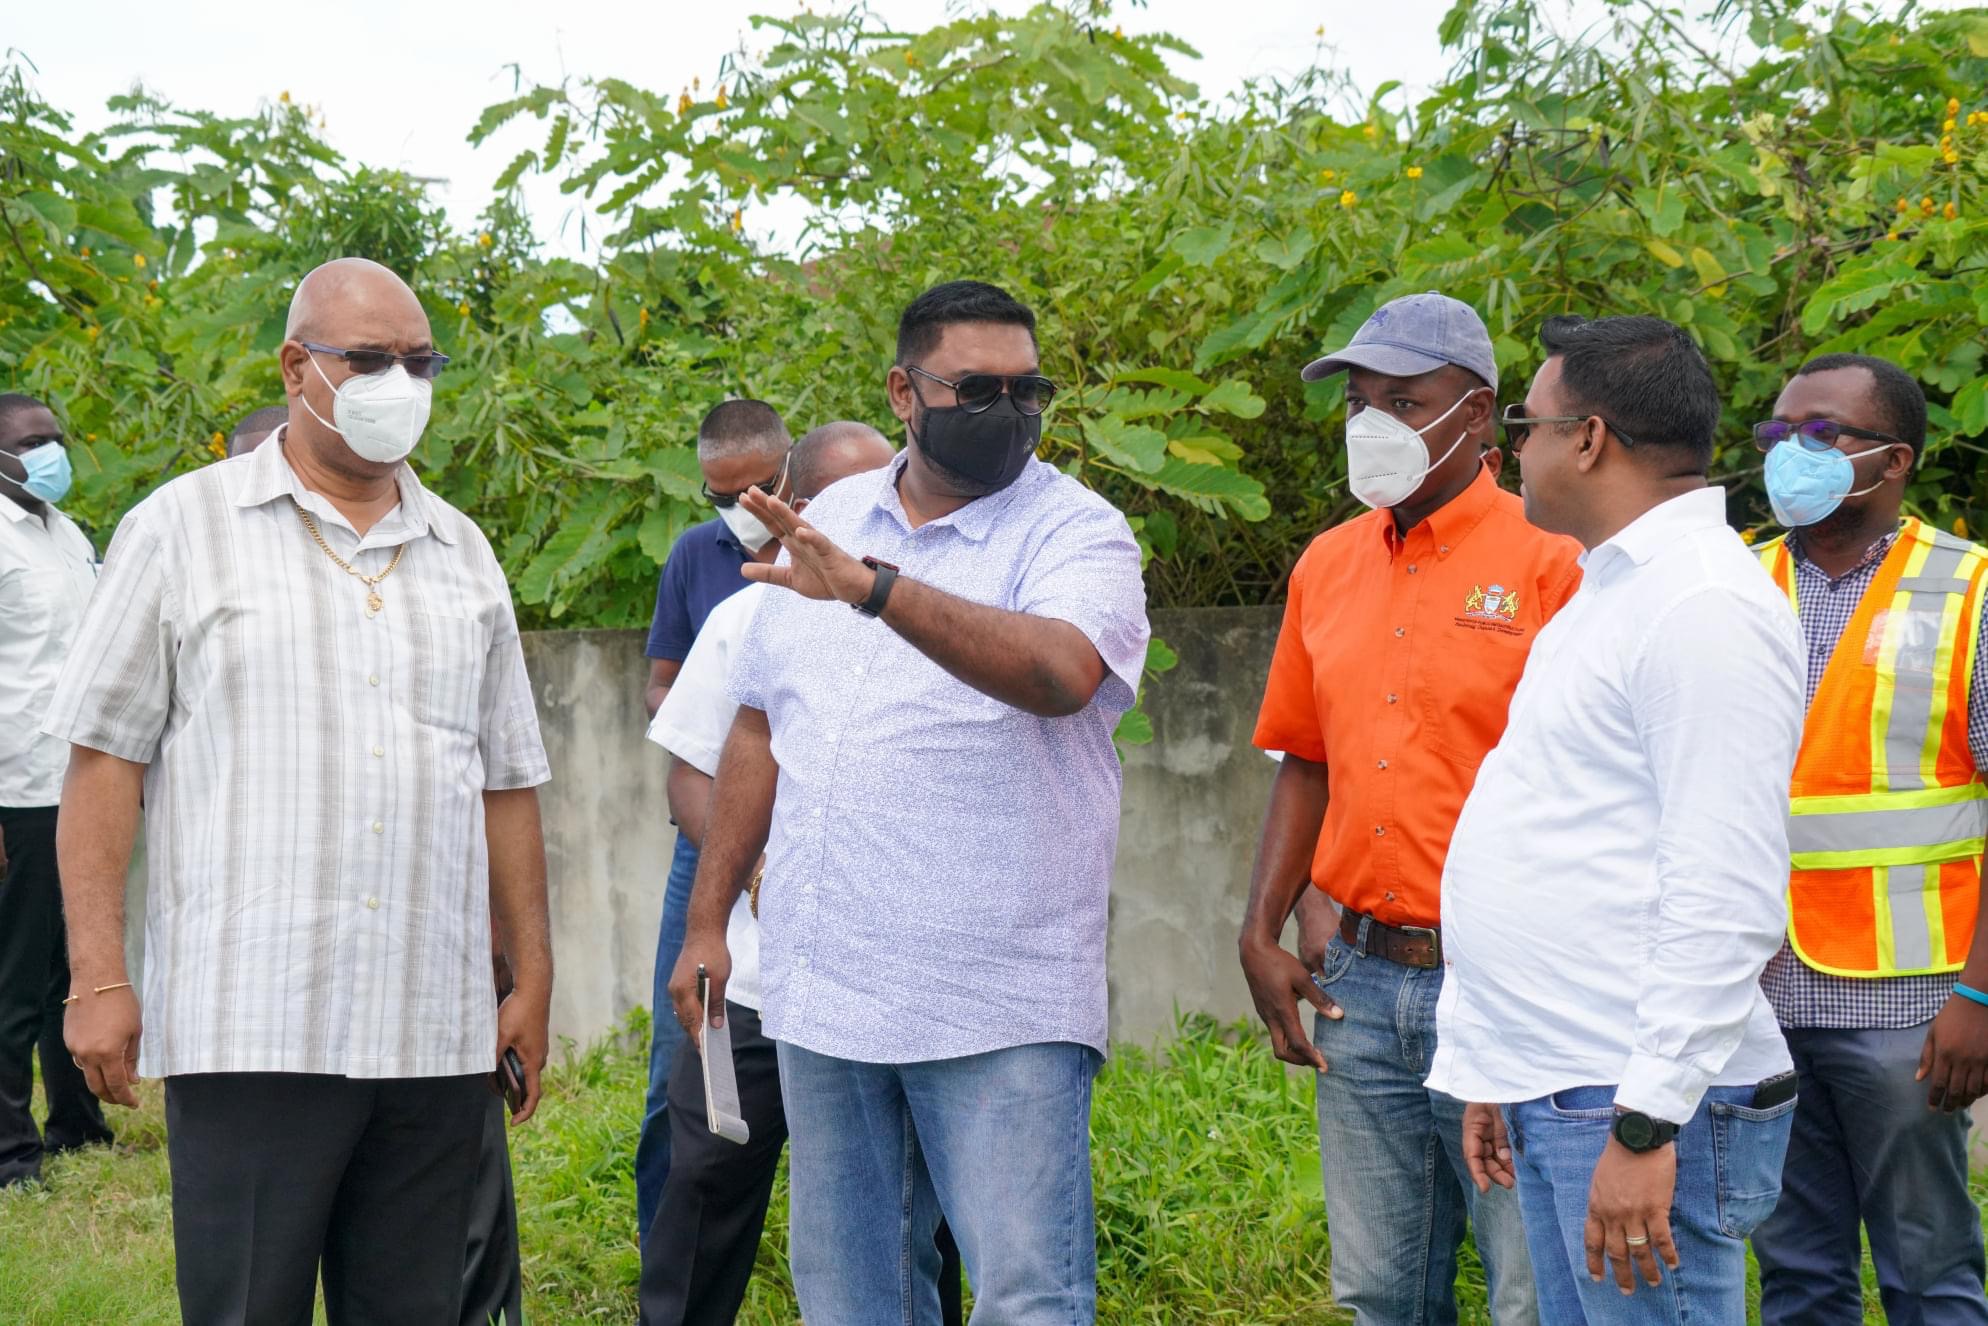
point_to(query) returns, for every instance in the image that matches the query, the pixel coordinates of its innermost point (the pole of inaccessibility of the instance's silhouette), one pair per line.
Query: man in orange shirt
(1404, 637)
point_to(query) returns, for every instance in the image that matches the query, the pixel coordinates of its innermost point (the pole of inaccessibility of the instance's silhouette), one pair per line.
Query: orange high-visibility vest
(1888, 814)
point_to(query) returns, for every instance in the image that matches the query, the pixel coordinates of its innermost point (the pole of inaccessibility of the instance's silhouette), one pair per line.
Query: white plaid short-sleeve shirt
(318, 887)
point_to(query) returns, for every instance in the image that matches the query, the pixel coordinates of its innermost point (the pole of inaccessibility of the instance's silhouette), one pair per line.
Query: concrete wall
(1193, 802)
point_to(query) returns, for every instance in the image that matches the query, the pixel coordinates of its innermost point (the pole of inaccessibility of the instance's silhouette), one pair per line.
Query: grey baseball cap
(1415, 334)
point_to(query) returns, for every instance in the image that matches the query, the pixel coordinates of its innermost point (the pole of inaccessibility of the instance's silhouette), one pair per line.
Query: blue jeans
(1396, 1190)
(652, 1152)
(1728, 1178)
(999, 1141)
(1867, 1152)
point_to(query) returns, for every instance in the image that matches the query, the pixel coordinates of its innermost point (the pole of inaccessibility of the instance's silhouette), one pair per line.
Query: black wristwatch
(1639, 1132)
(873, 606)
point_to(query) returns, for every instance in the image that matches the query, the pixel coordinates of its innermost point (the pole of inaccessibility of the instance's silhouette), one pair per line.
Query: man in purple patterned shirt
(1880, 985)
(925, 723)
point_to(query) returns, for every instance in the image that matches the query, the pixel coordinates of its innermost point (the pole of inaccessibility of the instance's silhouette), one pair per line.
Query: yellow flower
(722, 103)
(1181, 115)
(93, 333)
(1953, 106)
(86, 250)
(483, 240)
(463, 308)
(1901, 207)
(696, 85)
(217, 446)
(1749, 535)
(683, 104)
(1950, 156)
(642, 318)
(1319, 31)
(137, 260)
(910, 60)
(218, 440)
(738, 219)
(1348, 199)
(1948, 126)
(1951, 211)
(1926, 205)
(1946, 142)
(284, 97)
(1328, 175)
(1413, 172)
(1891, 234)
(1371, 130)
(1118, 32)
(89, 437)
(1960, 526)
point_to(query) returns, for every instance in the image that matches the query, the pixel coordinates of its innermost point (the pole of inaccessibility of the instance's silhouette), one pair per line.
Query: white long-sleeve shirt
(1617, 880)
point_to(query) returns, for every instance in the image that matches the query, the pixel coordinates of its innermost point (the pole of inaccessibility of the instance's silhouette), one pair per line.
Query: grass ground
(1207, 1192)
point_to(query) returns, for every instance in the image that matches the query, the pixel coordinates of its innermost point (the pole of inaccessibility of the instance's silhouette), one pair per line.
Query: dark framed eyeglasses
(1813, 434)
(726, 501)
(1518, 426)
(426, 365)
(976, 392)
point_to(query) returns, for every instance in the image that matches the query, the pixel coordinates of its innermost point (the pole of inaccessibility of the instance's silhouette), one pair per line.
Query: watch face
(1634, 1131)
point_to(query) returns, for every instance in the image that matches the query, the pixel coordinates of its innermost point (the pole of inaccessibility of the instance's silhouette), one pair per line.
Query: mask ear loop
(312, 356)
(1459, 437)
(1859, 456)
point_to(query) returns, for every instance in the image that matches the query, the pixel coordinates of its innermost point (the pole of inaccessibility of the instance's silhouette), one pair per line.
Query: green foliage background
(1821, 190)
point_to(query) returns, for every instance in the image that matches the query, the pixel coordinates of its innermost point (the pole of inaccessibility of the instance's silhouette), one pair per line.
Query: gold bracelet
(101, 989)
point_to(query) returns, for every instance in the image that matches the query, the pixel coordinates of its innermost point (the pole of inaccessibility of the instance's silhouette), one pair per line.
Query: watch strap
(1640, 1132)
(873, 606)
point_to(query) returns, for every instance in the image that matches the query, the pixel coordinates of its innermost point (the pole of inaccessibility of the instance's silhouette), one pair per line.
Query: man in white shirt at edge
(698, 1253)
(1615, 885)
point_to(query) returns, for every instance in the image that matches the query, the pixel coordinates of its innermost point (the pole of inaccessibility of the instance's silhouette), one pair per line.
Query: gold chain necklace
(372, 583)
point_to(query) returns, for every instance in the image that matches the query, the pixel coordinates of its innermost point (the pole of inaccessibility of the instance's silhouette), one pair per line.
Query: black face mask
(984, 452)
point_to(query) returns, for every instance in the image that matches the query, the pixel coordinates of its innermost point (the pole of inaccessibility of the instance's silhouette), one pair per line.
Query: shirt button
(1383, 764)
(1412, 568)
(1399, 632)
(1390, 699)
(379, 752)
(816, 812)
(1446, 548)
(1390, 897)
(801, 961)
(373, 680)
(372, 904)
(379, 827)
(1379, 831)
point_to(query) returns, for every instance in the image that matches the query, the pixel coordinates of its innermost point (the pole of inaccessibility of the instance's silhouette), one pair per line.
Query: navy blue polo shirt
(703, 571)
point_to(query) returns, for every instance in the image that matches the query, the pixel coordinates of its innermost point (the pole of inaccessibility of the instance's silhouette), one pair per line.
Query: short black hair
(256, 425)
(1898, 395)
(741, 427)
(1645, 376)
(926, 318)
(13, 402)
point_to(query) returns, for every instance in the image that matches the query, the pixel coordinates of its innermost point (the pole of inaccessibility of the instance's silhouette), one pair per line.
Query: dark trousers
(277, 1173)
(698, 1256)
(493, 1290)
(1867, 1156)
(34, 979)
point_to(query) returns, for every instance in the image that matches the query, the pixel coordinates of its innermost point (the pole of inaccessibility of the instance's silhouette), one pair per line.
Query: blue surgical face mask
(1805, 486)
(48, 472)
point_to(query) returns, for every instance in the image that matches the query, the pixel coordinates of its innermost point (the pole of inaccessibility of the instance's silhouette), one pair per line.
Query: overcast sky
(401, 87)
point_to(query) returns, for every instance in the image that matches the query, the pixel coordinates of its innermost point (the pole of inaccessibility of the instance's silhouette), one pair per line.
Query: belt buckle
(1435, 939)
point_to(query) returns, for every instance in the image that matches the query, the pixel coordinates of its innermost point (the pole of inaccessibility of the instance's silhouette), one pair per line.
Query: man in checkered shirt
(1888, 1063)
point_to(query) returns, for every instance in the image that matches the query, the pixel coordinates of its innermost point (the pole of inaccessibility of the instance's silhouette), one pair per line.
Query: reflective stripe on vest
(1885, 859)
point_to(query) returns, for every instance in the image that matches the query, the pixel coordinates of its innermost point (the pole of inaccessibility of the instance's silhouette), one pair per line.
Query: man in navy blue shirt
(741, 444)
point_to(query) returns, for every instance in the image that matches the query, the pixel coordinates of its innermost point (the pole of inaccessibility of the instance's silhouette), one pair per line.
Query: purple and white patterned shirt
(940, 862)
(1801, 995)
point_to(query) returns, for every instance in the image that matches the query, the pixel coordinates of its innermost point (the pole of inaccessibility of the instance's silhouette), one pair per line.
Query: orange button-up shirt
(1396, 662)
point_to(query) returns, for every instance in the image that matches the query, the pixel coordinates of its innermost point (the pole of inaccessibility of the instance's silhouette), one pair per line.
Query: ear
(1588, 445)
(799, 504)
(898, 385)
(1493, 459)
(292, 360)
(1898, 463)
(1479, 410)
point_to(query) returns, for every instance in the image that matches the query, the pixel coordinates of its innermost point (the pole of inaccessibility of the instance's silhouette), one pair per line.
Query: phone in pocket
(1775, 1090)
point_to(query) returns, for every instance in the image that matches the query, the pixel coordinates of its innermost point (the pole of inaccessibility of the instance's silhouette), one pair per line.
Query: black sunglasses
(726, 501)
(1518, 427)
(426, 365)
(1813, 434)
(1031, 392)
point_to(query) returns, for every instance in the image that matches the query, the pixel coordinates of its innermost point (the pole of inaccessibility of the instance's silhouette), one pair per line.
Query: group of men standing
(1637, 872)
(1586, 949)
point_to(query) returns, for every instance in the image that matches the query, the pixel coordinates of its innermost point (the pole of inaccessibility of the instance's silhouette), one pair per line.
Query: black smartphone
(1774, 1090)
(511, 1080)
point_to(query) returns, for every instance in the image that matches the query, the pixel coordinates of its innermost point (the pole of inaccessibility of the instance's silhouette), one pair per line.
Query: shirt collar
(976, 519)
(1874, 553)
(268, 476)
(1451, 523)
(16, 513)
(1663, 525)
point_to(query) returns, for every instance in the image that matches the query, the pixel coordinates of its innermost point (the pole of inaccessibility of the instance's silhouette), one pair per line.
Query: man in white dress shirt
(308, 665)
(1615, 884)
(47, 568)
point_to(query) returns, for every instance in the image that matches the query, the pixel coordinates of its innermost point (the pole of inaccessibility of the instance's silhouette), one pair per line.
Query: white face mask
(748, 529)
(1386, 460)
(379, 415)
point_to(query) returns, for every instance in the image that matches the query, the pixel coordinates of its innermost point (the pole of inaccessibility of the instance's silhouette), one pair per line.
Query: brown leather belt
(1409, 945)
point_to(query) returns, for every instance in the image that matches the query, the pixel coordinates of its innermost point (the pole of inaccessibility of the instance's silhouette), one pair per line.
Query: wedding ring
(1636, 1241)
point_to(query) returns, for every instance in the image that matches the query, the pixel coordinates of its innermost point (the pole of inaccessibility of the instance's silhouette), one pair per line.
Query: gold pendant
(374, 603)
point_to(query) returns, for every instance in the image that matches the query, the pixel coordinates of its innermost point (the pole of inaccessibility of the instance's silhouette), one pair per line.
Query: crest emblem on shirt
(1496, 604)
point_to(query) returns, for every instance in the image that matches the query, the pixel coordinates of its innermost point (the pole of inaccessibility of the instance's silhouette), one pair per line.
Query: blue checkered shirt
(1801, 995)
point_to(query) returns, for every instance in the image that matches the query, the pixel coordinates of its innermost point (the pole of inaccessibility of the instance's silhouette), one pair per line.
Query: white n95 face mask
(1386, 460)
(380, 416)
(748, 529)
